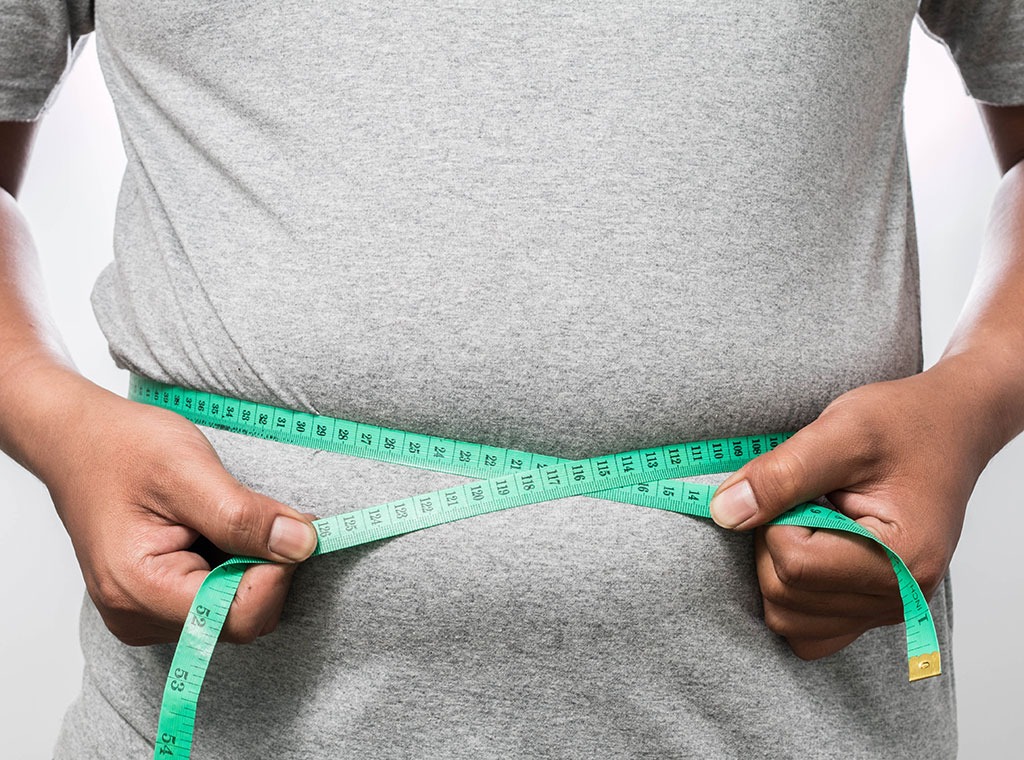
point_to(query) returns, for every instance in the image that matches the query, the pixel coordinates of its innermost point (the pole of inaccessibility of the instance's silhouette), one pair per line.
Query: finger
(848, 604)
(815, 649)
(241, 521)
(173, 582)
(826, 560)
(790, 623)
(258, 602)
(153, 597)
(275, 617)
(824, 456)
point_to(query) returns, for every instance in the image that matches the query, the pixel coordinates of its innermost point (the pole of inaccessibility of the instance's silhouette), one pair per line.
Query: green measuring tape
(644, 477)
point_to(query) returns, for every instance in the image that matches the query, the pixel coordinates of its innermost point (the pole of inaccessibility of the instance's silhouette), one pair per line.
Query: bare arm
(989, 333)
(27, 334)
(134, 486)
(901, 457)
(16, 138)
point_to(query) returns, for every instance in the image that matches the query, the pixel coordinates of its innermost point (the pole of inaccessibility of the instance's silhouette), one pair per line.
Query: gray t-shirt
(570, 228)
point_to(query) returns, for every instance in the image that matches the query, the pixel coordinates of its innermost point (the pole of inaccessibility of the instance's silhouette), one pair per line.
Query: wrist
(41, 402)
(988, 385)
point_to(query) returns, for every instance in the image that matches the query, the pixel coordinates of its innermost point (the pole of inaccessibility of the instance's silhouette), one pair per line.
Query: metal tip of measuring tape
(925, 666)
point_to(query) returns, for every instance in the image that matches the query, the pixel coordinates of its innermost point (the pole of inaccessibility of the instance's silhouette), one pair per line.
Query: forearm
(986, 348)
(35, 367)
(134, 485)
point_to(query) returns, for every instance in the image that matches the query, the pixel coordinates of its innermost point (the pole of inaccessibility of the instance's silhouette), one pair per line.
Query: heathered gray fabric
(570, 629)
(572, 229)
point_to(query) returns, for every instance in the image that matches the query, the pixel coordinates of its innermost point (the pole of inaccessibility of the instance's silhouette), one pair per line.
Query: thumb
(813, 462)
(241, 521)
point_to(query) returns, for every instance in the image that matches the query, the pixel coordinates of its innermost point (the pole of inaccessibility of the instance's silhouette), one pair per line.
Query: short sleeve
(986, 41)
(39, 42)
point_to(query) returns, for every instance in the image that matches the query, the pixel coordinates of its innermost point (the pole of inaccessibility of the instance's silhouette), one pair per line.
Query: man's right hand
(135, 487)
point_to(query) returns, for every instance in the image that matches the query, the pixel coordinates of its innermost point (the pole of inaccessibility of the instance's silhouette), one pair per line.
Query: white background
(69, 198)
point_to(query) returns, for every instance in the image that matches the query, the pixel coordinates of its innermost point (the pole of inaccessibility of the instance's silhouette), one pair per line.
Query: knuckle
(243, 633)
(806, 651)
(110, 596)
(790, 567)
(776, 620)
(236, 520)
(124, 628)
(778, 474)
(115, 594)
(929, 575)
(772, 589)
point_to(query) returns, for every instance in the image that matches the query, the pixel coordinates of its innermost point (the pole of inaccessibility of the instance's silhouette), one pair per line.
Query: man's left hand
(901, 457)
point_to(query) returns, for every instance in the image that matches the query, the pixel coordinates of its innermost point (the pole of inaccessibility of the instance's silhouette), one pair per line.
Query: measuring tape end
(925, 666)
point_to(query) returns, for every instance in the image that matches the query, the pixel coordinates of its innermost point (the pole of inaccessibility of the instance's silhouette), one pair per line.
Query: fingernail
(292, 539)
(734, 505)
